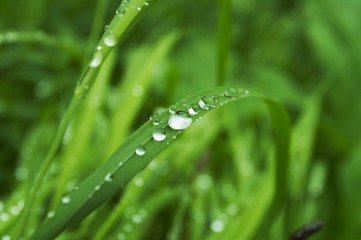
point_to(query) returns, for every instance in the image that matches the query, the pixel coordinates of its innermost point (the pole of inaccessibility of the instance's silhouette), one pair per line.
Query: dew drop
(159, 135)
(207, 103)
(14, 210)
(155, 121)
(66, 199)
(108, 177)
(140, 151)
(96, 60)
(51, 214)
(106, 27)
(179, 121)
(97, 188)
(172, 108)
(138, 182)
(120, 164)
(6, 237)
(193, 110)
(139, 9)
(217, 225)
(99, 47)
(146, 3)
(110, 40)
(4, 217)
(231, 92)
(137, 218)
(120, 13)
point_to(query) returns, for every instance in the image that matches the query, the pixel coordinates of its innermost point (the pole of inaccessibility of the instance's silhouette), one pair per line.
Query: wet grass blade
(146, 143)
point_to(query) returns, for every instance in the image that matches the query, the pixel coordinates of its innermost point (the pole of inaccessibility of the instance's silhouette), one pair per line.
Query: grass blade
(146, 143)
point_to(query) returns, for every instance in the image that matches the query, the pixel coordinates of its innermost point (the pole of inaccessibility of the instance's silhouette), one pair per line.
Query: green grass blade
(125, 163)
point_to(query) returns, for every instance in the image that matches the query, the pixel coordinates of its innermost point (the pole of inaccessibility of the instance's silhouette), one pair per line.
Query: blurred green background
(306, 53)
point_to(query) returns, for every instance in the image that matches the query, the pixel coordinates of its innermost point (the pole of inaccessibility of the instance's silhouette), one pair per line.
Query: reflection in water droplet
(159, 135)
(96, 60)
(140, 151)
(207, 103)
(193, 110)
(217, 225)
(110, 40)
(120, 13)
(179, 121)
(108, 177)
(66, 199)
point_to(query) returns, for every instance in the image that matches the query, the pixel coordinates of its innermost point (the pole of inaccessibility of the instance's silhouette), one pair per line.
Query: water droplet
(140, 151)
(172, 108)
(6, 237)
(110, 40)
(120, 12)
(204, 182)
(21, 173)
(97, 187)
(138, 182)
(155, 121)
(120, 164)
(139, 9)
(159, 135)
(232, 209)
(146, 3)
(179, 121)
(4, 217)
(51, 214)
(137, 218)
(96, 60)
(231, 92)
(128, 228)
(106, 27)
(66, 199)
(99, 47)
(193, 110)
(121, 236)
(207, 103)
(246, 92)
(108, 177)
(217, 225)
(14, 210)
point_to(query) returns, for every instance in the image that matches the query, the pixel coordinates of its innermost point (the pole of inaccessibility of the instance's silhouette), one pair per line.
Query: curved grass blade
(146, 143)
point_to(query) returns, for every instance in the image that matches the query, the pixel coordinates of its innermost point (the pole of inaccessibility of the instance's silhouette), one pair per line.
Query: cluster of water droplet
(13, 210)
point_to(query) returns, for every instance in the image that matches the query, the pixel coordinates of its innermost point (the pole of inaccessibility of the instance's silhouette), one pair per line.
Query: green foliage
(233, 174)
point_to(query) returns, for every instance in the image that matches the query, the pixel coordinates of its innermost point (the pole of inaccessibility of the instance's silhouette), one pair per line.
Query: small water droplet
(110, 40)
(179, 121)
(96, 60)
(172, 108)
(66, 199)
(139, 9)
(99, 47)
(108, 177)
(193, 110)
(138, 182)
(159, 135)
(207, 103)
(106, 27)
(120, 164)
(155, 121)
(51, 214)
(146, 3)
(120, 12)
(231, 92)
(96, 188)
(128, 228)
(140, 151)
(137, 218)
(217, 225)
(14, 210)
(4, 217)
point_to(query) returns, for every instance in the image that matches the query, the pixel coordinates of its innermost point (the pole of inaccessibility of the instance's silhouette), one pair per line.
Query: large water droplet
(6, 237)
(179, 121)
(108, 177)
(231, 92)
(110, 40)
(207, 103)
(66, 199)
(96, 60)
(159, 135)
(140, 151)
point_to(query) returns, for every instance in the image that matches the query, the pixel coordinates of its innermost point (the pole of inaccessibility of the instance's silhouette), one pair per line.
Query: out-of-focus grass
(306, 54)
